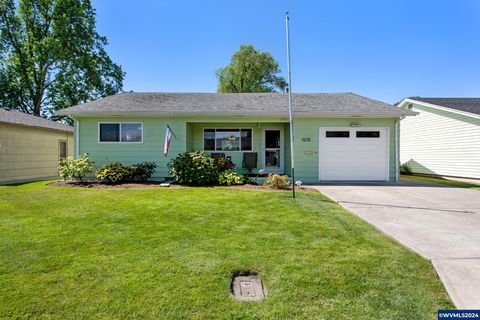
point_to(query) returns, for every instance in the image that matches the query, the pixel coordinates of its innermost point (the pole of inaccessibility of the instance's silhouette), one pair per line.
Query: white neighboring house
(444, 138)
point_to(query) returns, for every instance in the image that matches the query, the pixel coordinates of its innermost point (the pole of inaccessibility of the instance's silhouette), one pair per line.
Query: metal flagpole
(290, 105)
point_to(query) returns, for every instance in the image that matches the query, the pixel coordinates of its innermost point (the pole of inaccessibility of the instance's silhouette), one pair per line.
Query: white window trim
(120, 132)
(281, 169)
(225, 128)
(59, 149)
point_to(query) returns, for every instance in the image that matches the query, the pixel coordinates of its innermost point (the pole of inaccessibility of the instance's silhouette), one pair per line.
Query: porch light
(355, 124)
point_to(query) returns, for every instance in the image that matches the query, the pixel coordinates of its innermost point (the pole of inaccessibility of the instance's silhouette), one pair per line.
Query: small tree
(75, 169)
(250, 71)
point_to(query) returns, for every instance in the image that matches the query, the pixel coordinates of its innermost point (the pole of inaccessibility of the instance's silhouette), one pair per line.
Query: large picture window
(124, 132)
(227, 139)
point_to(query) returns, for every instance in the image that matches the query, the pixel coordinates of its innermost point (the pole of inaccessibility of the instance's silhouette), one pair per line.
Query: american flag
(168, 137)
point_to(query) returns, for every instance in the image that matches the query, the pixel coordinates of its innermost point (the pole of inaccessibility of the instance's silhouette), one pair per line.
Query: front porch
(242, 142)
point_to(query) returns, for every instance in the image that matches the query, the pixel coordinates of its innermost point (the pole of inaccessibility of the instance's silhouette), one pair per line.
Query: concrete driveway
(439, 222)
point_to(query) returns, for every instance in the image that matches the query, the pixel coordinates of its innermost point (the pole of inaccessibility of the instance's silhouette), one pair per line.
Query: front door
(273, 150)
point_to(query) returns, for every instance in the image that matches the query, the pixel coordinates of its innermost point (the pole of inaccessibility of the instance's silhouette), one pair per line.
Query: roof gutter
(434, 106)
(68, 130)
(249, 115)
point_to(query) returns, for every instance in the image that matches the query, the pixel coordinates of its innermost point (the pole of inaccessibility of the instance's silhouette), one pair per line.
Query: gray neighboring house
(31, 147)
(444, 138)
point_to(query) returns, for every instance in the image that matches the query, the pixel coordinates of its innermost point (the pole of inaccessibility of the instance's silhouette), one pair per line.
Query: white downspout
(397, 150)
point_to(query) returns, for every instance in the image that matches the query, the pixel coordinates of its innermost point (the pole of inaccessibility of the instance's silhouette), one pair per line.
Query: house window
(227, 139)
(124, 132)
(62, 150)
(368, 134)
(338, 134)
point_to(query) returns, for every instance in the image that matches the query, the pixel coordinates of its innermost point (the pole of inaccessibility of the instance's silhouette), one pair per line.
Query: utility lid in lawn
(247, 288)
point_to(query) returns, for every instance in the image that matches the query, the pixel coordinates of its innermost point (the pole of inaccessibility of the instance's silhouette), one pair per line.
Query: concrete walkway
(440, 223)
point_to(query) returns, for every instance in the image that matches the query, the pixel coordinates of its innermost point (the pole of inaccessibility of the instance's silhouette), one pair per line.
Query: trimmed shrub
(194, 168)
(277, 181)
(112, 172)
(405, 169)
(75, 169)
(230, 178)
(141, 171)
(115, 172)
(249, 180)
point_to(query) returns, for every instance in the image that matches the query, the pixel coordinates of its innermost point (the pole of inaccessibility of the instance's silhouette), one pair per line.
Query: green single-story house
(338, 136)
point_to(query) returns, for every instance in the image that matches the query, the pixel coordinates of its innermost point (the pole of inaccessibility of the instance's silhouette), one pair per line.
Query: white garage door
(353, 154)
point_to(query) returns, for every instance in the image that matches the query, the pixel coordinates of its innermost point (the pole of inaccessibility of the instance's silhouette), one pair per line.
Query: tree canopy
(250, 70)
(51, 56)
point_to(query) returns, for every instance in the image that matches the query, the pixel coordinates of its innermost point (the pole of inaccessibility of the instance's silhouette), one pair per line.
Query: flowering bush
(223, 164)
(75, 169)
(230, 177)
(277, 181)
(112, 172)
(194, 168)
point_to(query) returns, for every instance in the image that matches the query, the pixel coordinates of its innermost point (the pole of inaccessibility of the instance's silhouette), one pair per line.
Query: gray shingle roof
(471, 105)
(20, 118)
(236, 104)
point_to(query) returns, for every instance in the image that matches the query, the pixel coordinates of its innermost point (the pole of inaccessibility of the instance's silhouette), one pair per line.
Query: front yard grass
(451, 183)
(69, 253)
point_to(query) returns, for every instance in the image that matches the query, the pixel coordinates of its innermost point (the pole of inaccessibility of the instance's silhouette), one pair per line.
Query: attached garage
(354, 154)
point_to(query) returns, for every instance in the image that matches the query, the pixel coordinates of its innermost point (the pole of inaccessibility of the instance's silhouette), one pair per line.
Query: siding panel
(189, 132)
(29, 153)
(441, 143)
(150, 150)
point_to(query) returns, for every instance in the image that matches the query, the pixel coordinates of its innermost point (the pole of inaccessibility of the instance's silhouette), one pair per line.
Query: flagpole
(292, 163)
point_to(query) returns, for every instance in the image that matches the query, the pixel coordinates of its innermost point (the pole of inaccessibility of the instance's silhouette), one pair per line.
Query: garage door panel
(354, 158)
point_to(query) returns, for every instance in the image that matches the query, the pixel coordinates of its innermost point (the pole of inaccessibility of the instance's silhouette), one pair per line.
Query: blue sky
(382, 49)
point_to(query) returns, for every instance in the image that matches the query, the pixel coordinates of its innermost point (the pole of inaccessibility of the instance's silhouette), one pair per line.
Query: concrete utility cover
(247, 288)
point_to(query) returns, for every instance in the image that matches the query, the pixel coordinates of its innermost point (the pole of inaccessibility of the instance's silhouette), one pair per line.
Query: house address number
(305, 139)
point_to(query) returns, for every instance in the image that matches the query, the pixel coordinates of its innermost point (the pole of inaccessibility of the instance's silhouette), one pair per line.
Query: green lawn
(69, 253)
(452, 183)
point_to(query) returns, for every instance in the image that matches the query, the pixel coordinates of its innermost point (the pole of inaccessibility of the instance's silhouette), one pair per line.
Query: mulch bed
(101, 185)
(152, 184)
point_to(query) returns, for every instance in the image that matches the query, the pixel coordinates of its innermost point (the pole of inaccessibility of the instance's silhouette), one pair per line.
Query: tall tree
(51, 56)
(250, 71)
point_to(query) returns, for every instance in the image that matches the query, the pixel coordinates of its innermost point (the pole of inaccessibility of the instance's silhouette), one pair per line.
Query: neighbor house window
(62, 150)
(126, 132)
(227, 139)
